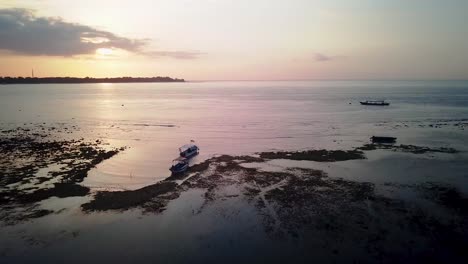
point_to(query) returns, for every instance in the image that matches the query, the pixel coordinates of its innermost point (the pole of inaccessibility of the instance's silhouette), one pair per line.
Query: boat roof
(187, 146)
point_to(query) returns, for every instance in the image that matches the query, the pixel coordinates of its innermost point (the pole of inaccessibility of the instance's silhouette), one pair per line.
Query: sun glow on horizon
(104, 51)
(271, 39)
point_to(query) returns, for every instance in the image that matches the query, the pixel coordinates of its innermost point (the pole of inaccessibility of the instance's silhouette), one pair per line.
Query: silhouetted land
(30, 80)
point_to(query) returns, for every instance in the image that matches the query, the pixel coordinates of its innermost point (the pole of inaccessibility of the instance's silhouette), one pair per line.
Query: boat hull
(179, 169)
(189, 155)
(375, 104)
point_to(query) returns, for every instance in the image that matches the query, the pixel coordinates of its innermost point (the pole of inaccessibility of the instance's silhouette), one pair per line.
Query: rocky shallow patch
(217, 171)
(149, 197)
(343, 218)
(35, 167)
(460, 124)
(407, 148)
(321, 155)
(346, 219)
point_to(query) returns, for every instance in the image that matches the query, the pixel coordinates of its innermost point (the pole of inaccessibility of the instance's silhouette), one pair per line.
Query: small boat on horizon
(375, 102)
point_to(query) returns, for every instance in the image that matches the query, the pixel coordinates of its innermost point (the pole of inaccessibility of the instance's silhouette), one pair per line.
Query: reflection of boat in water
(189, 150)
(379, 103)
(375, 139)
(179, 165)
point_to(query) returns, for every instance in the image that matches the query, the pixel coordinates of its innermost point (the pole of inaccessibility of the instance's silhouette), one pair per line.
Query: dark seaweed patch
(407, 148)
(23, 152)
(321, 155)
(448, 196)
(128, 199)
(345, 219)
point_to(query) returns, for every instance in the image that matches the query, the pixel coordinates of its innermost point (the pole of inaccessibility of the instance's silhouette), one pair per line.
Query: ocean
(152, 120)
(155, 119)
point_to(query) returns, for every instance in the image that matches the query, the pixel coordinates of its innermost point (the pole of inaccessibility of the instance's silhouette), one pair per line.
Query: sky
(236, 39)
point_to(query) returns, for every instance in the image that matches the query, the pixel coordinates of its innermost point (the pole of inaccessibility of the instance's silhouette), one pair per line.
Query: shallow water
(153, 120)
(234, 117)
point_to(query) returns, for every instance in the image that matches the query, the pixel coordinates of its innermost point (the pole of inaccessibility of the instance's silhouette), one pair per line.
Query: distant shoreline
(68, 80)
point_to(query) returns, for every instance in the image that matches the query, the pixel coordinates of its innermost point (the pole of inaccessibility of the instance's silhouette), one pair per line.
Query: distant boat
(379, 103)
(375, 139)
(189, 150)
(179, 165)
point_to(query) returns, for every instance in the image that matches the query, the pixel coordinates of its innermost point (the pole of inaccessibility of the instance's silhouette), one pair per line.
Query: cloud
(185, 55)
(22, 32)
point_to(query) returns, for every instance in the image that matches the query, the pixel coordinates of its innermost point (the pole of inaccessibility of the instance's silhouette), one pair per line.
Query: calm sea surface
(235, 117)
(153, 120)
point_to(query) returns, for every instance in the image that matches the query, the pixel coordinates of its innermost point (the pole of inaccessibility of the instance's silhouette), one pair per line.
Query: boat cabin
(188, 150)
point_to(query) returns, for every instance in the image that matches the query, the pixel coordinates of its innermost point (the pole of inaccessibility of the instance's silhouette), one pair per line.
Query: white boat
(181, 164)
(189, 150)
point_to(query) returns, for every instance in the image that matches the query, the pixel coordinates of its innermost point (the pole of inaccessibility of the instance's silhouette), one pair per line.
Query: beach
(286, 172)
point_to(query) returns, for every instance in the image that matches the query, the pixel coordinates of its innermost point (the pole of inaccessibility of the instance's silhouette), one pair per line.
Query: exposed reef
(407, 148)
(150, 197)
(147, 197)
(322, 155)
(346, 219)
(460, 124)
(34, 168)
(334, 214)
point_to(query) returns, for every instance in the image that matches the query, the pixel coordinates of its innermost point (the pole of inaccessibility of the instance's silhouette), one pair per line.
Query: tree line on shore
(36, 80)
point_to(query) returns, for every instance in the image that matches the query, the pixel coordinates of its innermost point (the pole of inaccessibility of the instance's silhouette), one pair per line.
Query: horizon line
(303, 80)
(242, 80)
